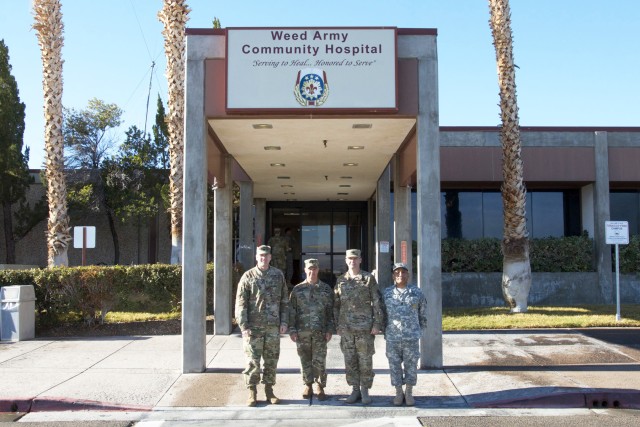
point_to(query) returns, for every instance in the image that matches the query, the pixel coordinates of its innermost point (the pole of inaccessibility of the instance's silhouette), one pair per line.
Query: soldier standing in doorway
(406, 314)
(278, 245)
(291, 247)
(359, 317)
(261, 313)
(311, 328)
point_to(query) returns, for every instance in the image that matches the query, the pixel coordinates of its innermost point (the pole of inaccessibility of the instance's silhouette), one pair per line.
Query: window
(478, 214)
(625, 206)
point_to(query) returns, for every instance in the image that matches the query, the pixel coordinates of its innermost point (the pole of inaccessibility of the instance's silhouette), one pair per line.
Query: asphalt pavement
(138, 379)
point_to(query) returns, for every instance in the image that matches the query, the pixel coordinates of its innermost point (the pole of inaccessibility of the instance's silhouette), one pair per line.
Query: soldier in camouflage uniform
(406, 313)
(311, 327)
(261, 313)
(359, 317)
(279, 245)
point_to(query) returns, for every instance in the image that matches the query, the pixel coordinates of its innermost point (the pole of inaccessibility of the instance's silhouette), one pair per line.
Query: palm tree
(516, 267)
(174, 16)
(49, 27)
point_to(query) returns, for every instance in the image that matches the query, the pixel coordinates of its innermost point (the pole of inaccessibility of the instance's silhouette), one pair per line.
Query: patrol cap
(263, 249)
(398, 265)
(311, 263)
(353, 253)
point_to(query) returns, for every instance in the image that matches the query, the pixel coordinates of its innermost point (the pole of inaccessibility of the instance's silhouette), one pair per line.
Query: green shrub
(562, 254)
(478, 255)
(88, 293)
(565, 254)
(629, 256)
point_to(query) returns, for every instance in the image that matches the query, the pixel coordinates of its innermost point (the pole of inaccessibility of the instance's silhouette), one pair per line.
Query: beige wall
(133, 238)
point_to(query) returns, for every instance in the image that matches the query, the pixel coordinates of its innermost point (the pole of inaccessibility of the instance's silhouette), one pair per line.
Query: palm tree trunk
(48, 25)
(516, 272)
(174, 16)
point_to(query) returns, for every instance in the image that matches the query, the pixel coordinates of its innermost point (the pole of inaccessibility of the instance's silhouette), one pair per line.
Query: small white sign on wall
(78, 233)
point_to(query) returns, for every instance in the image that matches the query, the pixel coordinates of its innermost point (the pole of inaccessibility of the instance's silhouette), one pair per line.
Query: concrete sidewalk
(551, 368)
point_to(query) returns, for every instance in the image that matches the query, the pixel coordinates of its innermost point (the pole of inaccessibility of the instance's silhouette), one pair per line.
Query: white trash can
(17, 313)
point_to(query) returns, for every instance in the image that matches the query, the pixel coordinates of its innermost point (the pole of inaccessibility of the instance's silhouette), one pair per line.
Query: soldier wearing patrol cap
(261, 312)
(406, 313)
(359, 317)
(311, 328)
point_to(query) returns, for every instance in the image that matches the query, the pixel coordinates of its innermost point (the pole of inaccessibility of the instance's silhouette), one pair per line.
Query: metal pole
(84, 246)
(617, 285)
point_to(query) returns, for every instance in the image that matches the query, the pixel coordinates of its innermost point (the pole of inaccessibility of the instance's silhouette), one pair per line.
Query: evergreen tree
(14, 162)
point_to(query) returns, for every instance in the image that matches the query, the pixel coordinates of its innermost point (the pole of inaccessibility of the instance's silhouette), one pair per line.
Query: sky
(578, 60)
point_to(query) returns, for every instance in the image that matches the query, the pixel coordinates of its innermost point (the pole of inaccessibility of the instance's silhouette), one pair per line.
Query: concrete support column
(194, 231)
(402, 237)
(428, 201)
(383, 229)
(602, 214)
(587, 209)
(261, 224)
(246, 245)
(222, 254)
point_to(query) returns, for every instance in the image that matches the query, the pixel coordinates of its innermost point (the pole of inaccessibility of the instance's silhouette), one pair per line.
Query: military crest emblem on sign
(312, 87)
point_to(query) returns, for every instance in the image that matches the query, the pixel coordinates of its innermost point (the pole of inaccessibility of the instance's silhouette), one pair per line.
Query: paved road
(393, 418)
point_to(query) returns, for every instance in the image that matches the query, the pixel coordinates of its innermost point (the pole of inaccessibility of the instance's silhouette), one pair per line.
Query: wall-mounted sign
(311, 68)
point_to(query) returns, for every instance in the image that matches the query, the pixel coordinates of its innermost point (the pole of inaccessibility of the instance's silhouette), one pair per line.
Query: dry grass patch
(591, 316)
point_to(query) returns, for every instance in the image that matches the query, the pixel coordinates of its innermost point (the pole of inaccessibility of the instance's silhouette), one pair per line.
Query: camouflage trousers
(261, 344)
(358, 349)
(403, 361)
(312, 349)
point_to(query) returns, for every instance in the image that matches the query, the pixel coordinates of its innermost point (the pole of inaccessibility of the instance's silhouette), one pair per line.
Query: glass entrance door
(323, 234)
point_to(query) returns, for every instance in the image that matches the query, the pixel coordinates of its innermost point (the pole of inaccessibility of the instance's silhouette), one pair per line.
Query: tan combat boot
(308, 391)
(408, 395)
(399, 396)
(320, 392)
(364, 392)
(271, 398)
(354, 396)
(253, 398)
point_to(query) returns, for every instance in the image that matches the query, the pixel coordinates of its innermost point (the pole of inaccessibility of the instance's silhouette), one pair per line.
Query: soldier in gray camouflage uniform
(406, 313)
(311, 327)
(359, 317)
(261, 313)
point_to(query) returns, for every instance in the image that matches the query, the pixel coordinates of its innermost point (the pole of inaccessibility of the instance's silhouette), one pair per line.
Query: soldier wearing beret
(406, 313)
(311, 328)
(359, 317)
(261, 313)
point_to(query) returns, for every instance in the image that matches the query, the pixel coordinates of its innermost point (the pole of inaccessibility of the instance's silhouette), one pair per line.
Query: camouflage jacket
(357, 303)
(261, 299)
(279, 247)
(311, 308)
(406, 313)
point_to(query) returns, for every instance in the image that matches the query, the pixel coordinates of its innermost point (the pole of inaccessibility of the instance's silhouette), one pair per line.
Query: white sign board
(311, 68)
(616, 232)
(78, 237)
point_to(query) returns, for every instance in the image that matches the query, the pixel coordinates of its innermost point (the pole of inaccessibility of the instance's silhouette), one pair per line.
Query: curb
(48, 404)
(601, 399)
